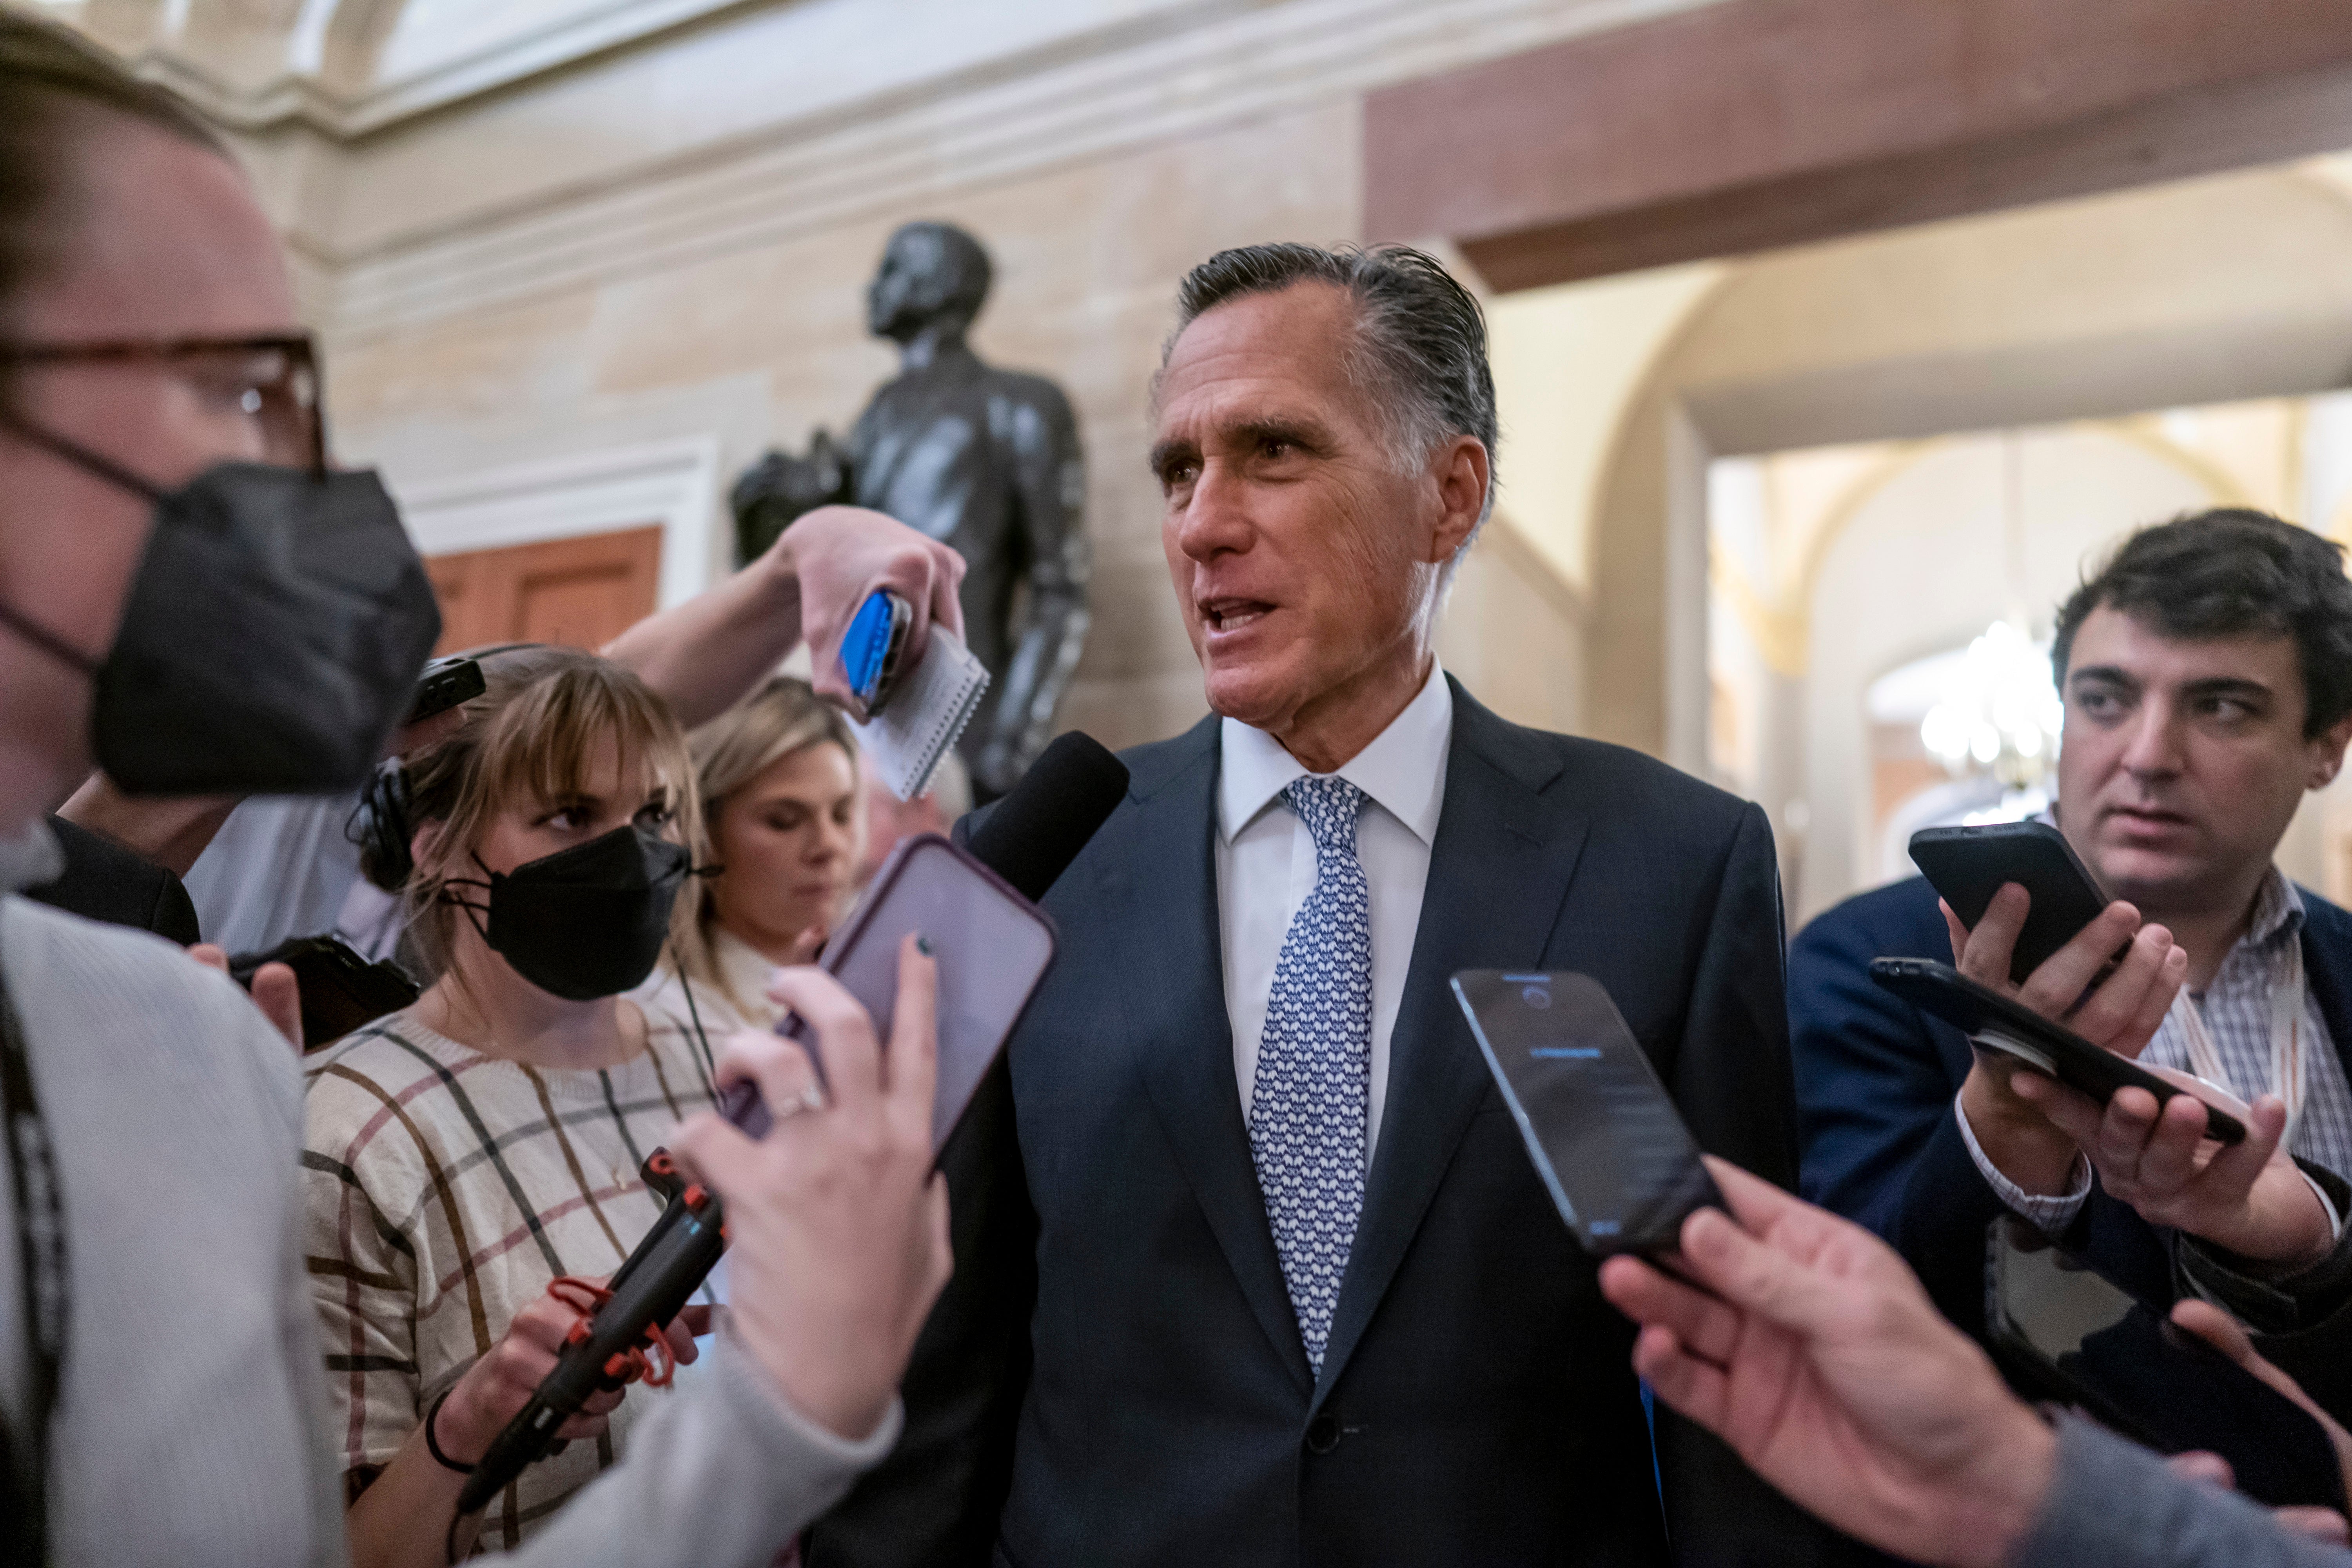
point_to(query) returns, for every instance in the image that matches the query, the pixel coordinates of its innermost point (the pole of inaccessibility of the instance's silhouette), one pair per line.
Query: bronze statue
(986, 460)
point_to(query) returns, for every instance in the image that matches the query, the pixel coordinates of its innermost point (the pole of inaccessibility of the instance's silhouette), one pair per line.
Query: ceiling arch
(2204, 291)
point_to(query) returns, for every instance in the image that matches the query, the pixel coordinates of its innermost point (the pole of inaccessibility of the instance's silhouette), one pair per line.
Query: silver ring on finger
(810, 1098)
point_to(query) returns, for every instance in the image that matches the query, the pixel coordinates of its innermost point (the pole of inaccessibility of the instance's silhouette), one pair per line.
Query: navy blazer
(1876, 1082)
(1154, 1403)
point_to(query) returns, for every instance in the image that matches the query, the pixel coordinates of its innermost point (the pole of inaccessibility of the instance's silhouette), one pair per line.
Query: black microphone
(1038, 829)
(1029, 838)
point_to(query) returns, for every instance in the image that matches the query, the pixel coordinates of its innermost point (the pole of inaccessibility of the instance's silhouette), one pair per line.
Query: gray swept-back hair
(1419, 351)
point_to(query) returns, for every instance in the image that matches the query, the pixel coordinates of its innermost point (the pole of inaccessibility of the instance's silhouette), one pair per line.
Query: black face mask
(587, 922)
(274, 629)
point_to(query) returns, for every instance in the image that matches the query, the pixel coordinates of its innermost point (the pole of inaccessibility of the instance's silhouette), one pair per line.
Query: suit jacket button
(1323, 1433)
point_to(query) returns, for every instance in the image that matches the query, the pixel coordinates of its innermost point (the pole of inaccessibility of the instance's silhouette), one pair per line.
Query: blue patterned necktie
(1312, 1092)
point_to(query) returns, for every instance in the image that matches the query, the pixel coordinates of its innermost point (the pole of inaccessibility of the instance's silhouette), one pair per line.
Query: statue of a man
(986, 460)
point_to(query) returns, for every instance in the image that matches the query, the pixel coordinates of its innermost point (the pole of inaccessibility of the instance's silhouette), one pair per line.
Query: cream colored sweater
(194, 1429)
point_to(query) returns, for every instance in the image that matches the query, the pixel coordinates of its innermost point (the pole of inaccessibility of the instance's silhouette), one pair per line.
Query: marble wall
(761, 343)
(662, 248)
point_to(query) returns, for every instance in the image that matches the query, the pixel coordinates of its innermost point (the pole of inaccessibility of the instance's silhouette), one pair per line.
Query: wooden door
(581, 592)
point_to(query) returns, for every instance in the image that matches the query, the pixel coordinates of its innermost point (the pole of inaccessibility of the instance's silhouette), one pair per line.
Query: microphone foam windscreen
(1038, 828)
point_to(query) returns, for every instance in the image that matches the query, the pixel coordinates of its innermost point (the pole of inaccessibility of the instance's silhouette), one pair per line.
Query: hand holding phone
(993, 945)
(340, 990)
(1968, 865)
(2062, 1333)
(1999, 1023)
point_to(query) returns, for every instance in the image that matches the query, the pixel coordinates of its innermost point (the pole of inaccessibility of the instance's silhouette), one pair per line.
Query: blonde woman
(777, 776)
(465, 1154)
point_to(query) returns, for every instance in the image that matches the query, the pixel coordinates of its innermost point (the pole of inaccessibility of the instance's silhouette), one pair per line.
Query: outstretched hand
(1821, 1360)
(841, 555)
(839, 1225)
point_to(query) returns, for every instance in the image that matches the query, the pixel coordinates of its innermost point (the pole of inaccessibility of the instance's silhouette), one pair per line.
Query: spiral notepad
(924, 716)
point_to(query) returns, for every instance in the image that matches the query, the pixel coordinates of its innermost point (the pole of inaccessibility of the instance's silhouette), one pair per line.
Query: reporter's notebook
(924, 716)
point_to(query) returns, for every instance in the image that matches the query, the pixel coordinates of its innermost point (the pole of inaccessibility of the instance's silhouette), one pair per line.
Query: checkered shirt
(2236, 1008)
(443, 1191)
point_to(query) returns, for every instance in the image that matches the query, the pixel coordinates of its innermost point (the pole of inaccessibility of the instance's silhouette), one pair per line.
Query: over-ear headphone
(379, 823)
(379, 826)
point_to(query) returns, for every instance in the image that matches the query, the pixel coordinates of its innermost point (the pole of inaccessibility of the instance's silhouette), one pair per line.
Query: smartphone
(1997, 1023)
(2064, 1335)
(1621, 1168)
(875, 645)
(446, 683)
(1968, 865)
(992, 947)
(341, 991)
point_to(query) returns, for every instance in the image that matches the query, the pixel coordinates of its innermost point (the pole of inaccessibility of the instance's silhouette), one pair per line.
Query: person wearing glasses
(194, 597)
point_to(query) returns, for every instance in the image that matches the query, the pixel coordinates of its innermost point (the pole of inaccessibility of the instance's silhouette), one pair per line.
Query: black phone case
(446, 683)
(959, 1078)
(1940, 989)
(1968, 866)
(340, 990)
(2165, 1389)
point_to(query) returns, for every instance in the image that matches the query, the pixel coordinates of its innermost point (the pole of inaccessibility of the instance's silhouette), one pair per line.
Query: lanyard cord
(709, 1062)
(2290, 1073)
(41, 1265)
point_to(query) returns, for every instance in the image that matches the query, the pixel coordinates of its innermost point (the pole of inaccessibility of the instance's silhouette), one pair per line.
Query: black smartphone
(1621, 1168)
(1968, 865)
(2064, 1335)
(446, 683)
(992, 947)
(1997, 1023)
(341, 991)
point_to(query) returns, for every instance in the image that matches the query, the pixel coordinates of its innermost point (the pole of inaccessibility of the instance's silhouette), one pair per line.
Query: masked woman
(465, 1154)
(777, 776)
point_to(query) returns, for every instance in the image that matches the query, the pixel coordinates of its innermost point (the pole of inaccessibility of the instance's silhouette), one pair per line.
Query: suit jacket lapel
(1498, 874)
(1172, 984)
(2325, 944)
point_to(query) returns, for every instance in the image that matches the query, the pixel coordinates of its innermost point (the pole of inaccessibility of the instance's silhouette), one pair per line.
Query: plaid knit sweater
(444, 1191)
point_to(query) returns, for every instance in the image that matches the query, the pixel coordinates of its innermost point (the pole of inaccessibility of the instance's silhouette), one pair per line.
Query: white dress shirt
(1266, 866)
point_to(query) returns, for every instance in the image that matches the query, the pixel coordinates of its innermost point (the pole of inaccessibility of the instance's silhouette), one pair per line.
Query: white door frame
(672, 483)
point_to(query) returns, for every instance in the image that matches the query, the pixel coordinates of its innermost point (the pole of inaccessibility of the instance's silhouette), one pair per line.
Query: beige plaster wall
(1566, 361)
(1514, 632)
(758, 345)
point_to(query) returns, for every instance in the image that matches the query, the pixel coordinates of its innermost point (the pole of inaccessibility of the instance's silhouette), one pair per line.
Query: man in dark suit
(2207, 673)
(1267, 1276)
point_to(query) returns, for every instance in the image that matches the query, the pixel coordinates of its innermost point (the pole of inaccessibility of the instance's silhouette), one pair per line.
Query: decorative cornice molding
(300, 99)
(909, 146)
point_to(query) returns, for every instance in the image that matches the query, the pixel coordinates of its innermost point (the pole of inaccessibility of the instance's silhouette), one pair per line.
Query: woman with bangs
(471, 1157)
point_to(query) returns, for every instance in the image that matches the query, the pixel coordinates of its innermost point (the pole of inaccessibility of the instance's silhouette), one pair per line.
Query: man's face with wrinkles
(2183, 761)
(1290, 537)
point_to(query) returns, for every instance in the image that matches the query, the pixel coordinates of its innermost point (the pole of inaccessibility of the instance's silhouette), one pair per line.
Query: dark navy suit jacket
(1876, 1082)
(1146, 1398)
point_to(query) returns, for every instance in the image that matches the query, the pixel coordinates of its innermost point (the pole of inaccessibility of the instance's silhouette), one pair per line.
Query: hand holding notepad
(932, 704)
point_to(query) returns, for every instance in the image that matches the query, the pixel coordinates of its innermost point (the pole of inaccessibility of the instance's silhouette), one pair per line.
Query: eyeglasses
(271, 379)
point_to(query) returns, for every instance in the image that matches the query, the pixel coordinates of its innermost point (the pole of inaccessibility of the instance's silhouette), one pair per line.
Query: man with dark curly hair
(2207, 672)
